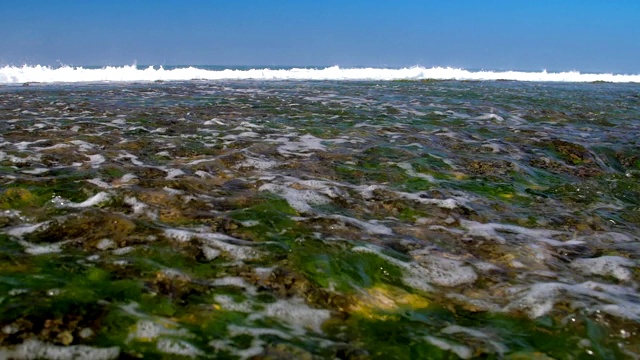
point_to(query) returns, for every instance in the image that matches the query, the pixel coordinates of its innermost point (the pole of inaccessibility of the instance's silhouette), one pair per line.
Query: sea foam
(128, 73)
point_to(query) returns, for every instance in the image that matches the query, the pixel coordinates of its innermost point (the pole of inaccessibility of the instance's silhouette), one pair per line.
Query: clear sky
(557, 35)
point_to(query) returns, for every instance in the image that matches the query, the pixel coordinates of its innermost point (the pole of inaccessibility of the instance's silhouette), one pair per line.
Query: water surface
(332, 219)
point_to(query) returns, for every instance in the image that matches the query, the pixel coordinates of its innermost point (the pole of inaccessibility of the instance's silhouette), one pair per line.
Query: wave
(129, 73)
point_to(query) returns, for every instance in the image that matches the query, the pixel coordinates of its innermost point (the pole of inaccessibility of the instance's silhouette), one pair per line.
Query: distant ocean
(213, 213)
(71, 74)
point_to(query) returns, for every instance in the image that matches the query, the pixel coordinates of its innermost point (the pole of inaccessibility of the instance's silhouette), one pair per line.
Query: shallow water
(280, 219)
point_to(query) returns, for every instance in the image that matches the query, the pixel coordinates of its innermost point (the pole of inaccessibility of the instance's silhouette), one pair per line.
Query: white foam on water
(140, 208)
(411, 172)
(173, 173)
(123, 251)
(120, 121)
(10, 329)
(495, 148)
(463, 352)
(483, 335)
(20, 230)
(83, 145)
(492, 231)
(86, 333)
(495, 117)
(328, 188)
(609, 238)
(34, 349)
(133, 158)
(234, 281)
(173, 191)
(200, 161)
(306, 144)
(210, 253)
(105, 244)
(233, 137)
(94, 257)
(134, 128)
(19, 160)
(215, 240)
(616, 266)
(127, 178)
(160, 130)
(450, 203)
(23, 145)
(15, 214)
(40, 249)
(368, 226)
(99, 183)
(92, 201)
(298, 315)
(428, 270)
(179, 234)
(300, 200)
(170, 273)
(250, 223)
(95, 160)
(366, 191)
(259, 164)
(227, 303)
(178, 347)
(148, 330)
(293, 312)
(36, 171)
(255, 348)
(237, 330)
(214, 121)
(128, 73)
(538, 299)
(236, 251)
(446, 272)
(203, 174)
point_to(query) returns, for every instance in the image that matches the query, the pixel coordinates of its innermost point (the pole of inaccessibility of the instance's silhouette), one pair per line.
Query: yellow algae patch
(16, 197)
(13, 267)
(528, 356)
(376, 301)
(460, 175)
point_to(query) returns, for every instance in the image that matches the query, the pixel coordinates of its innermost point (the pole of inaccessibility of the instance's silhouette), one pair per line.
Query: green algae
(405, 335)
(346, 271)
(269, 219)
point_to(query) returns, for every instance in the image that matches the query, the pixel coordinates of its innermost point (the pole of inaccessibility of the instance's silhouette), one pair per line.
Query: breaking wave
(128, 73)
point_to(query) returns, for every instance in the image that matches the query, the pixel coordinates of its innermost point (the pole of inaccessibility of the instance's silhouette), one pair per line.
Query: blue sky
(585, 35)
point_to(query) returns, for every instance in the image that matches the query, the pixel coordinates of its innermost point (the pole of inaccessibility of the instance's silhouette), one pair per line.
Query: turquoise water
(320, 219)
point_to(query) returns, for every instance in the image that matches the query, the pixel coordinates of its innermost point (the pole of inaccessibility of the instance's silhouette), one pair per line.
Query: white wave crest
(69, 74)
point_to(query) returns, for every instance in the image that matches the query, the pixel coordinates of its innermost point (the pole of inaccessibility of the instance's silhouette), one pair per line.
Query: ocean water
(215, 214)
